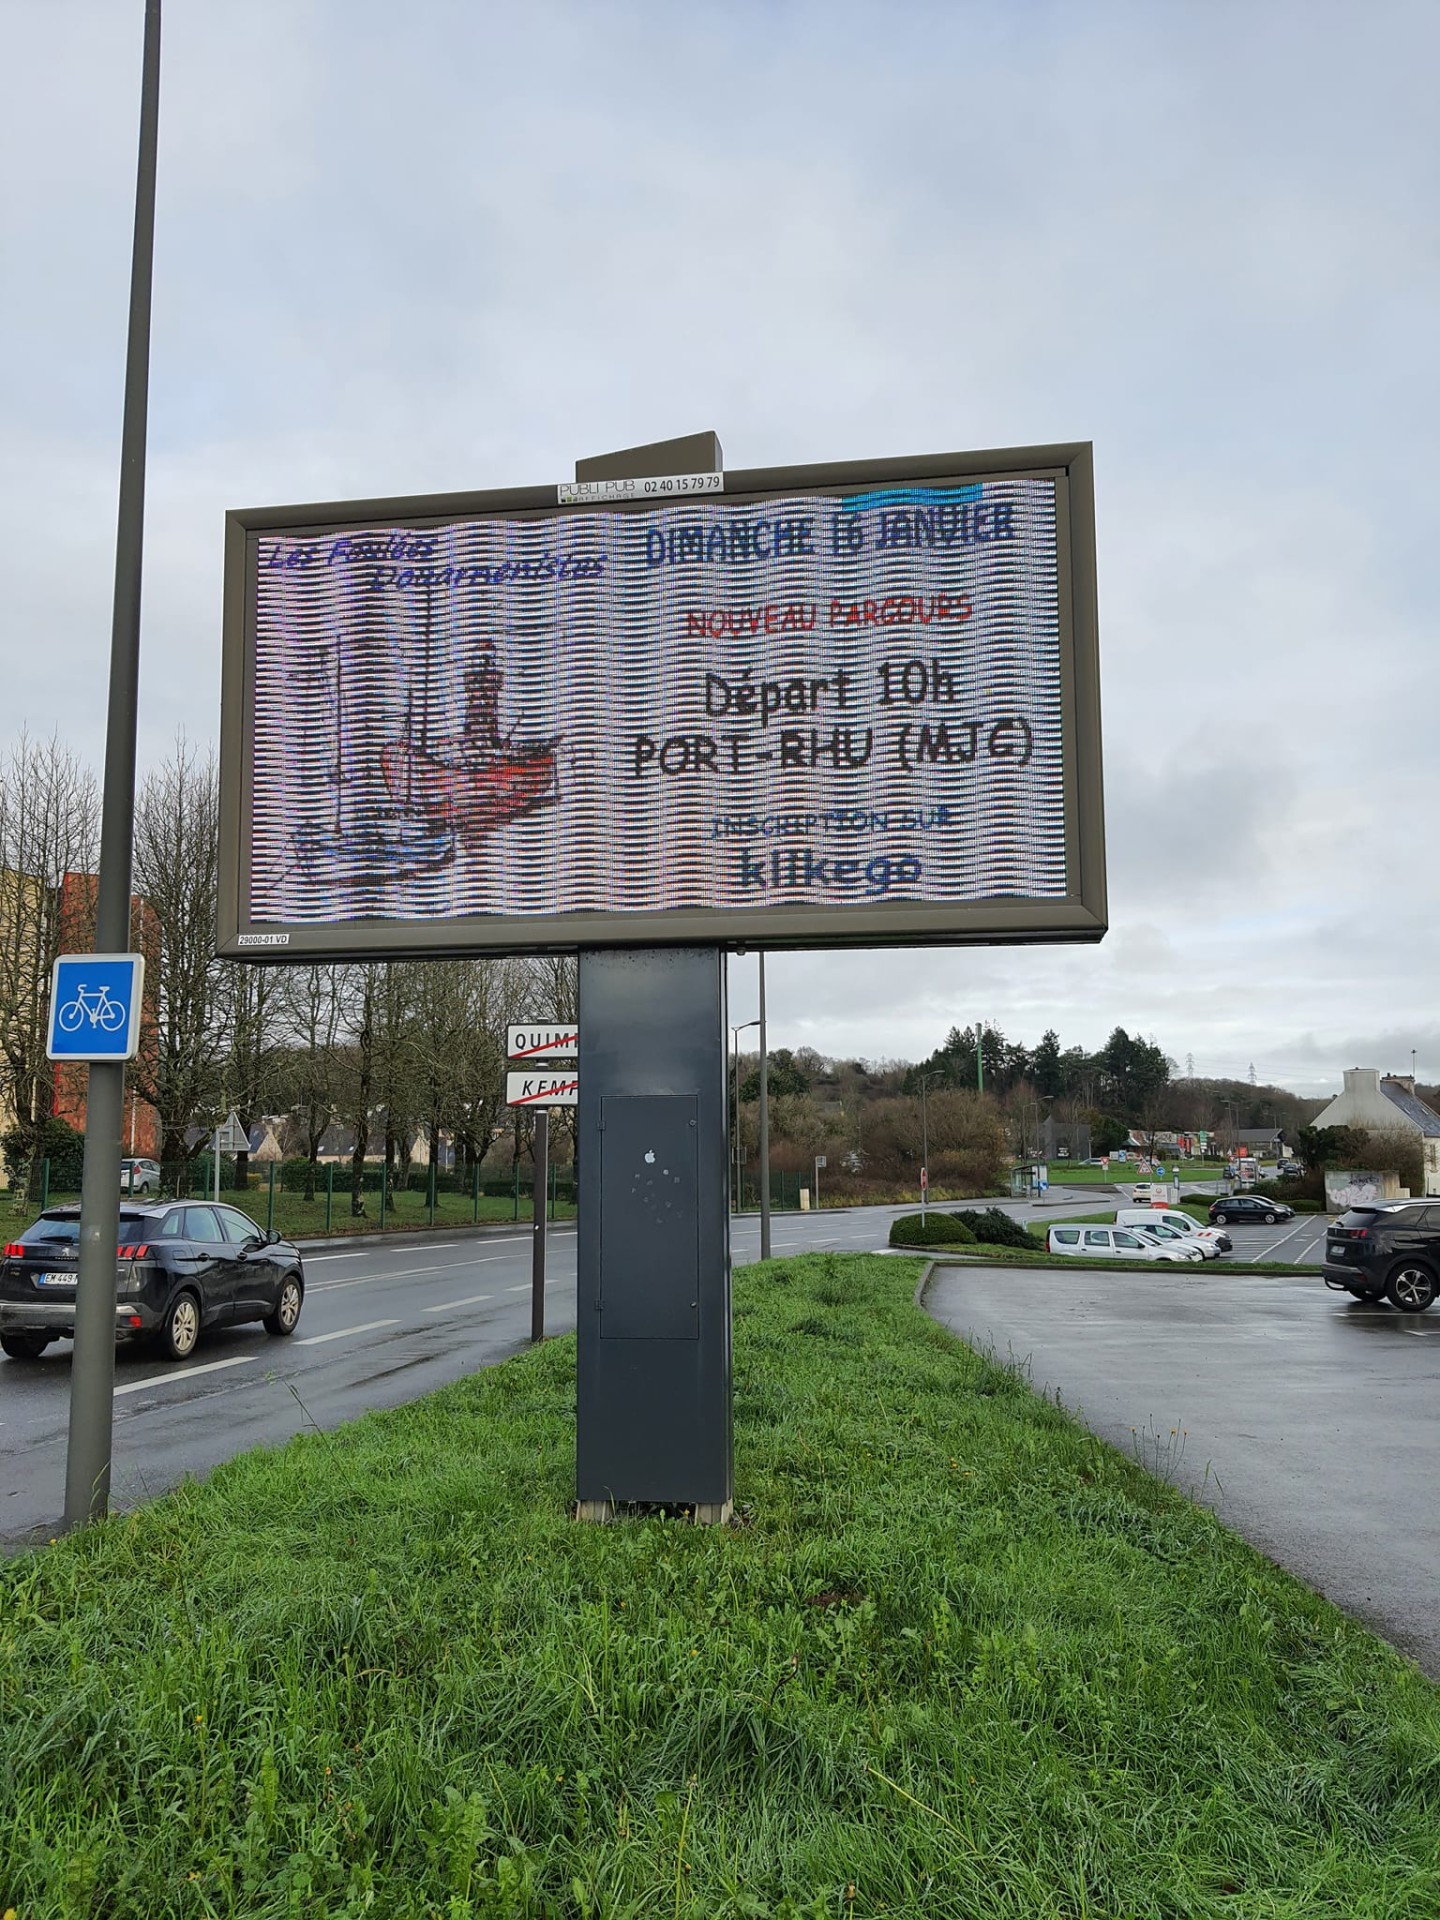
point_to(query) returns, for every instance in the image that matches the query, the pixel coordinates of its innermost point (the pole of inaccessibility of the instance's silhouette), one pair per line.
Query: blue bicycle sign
(95, 1002)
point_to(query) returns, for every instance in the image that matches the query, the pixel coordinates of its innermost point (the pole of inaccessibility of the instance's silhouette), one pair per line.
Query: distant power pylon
(1252, 1073)
(1189, 1066)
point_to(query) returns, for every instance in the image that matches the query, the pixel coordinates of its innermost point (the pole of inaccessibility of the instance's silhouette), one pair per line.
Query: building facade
(1387, 1103)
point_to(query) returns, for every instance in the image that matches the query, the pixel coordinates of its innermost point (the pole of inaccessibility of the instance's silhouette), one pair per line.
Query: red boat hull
(473, 800)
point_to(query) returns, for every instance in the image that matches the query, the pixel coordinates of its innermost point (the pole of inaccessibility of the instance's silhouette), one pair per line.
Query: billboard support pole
(653, 1401)
(92, 1373)
(537, 1235)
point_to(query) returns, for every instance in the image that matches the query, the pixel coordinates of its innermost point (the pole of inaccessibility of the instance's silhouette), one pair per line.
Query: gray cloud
(465, 252)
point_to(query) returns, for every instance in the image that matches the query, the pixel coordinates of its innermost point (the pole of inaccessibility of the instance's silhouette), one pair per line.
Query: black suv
(183, 1266)
(1390, 1249)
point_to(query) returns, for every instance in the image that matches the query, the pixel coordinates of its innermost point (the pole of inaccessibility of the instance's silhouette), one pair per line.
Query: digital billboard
(842, 705)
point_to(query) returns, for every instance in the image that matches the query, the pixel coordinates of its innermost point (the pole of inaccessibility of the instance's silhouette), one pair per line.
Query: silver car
(1118, 1243)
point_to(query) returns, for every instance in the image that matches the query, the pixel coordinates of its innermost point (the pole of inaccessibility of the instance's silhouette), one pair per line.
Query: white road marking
(404, 1273)
(345, 1333)
(1305, 1226)
(340, 1256)
(184, 1373)
(524, 1287)
(470, 1300)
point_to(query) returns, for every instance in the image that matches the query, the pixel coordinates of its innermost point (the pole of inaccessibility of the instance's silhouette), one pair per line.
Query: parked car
(1169, 1235)
(1289, 1170)
(139, 1176)
(1117, 1243)
(1212, 1241)
(1249, 1207)
(1389, 1249)
(182, 1268)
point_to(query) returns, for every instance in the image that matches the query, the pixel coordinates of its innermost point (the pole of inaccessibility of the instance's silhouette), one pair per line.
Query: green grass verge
(986, 1256)
(1065, 1173)
(961, 1659)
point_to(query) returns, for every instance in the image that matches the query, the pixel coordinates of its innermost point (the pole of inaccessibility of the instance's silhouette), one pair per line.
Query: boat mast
(339, 745)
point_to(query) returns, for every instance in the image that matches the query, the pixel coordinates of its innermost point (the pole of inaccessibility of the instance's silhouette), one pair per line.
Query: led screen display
(810, 715)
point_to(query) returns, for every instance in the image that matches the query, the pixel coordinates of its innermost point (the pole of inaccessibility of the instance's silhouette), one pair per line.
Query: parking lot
(1309, 1421)
(1300, 1241)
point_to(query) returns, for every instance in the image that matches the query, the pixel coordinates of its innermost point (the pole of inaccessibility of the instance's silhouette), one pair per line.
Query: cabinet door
(650, 1218)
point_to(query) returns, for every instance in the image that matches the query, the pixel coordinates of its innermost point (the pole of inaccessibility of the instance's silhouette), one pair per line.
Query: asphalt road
(1310, 1422)
(382, 1323)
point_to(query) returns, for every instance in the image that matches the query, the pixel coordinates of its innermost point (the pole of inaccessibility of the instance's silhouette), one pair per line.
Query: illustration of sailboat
(368, 845)
(482, 778)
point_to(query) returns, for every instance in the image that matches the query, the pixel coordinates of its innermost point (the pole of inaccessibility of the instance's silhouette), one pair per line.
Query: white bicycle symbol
(94, 1004)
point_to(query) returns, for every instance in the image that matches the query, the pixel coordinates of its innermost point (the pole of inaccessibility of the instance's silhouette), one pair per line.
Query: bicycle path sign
(95, 1003)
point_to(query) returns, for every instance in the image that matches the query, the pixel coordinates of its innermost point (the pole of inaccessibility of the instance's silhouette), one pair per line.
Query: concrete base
(601, 1513)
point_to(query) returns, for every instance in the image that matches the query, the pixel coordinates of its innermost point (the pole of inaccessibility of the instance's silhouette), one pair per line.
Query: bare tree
(311, 1014)
(396, 1088)
(181, 1073)
(49, 826)
(253, 999)
(359, 1001)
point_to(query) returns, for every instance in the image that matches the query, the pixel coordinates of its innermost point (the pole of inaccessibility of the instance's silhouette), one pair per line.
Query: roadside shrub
(929, 1230)
(53, 1140)
(995, 1228)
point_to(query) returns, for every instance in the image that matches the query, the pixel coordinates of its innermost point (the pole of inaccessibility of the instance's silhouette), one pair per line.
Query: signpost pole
(537, 1236)
(215, 1171)
(92, 1373)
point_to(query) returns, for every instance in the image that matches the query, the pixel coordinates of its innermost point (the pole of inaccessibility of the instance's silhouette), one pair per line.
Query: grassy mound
(959, 1659)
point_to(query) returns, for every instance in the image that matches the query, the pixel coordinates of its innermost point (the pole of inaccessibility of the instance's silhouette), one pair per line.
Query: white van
(1210, 1240)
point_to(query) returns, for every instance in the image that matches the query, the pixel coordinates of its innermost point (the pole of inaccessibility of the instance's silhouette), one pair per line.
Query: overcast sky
(457, 244)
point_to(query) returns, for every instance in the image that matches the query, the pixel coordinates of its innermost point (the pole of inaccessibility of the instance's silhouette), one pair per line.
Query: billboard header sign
(795, 707)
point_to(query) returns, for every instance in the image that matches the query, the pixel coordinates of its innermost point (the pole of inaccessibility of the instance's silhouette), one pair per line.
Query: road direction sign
(232, 1137)
(95, 1001)
(543, 1040)
(542, 1090)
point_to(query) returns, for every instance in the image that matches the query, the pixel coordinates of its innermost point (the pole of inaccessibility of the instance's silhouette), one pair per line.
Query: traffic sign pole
(538, 1209)
(92, 1372)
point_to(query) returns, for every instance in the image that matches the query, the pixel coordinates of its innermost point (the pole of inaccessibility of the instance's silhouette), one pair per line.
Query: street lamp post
(925, 1080)
(735, 1033)
(92, 1371)
(764, 1124)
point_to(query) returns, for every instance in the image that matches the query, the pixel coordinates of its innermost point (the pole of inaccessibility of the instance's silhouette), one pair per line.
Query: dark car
(1389, 1250)
(1241, 1207)
(183, 1266)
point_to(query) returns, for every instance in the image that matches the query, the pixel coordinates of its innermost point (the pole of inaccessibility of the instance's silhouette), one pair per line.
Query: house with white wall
(1383, 1103)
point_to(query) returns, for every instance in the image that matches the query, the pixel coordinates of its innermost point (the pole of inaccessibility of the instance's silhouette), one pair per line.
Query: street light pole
(735, 1033)
(764, 1124)
(925, 1080)
(92, 1371)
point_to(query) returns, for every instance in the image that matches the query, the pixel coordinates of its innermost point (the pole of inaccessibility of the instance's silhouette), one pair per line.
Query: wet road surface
(1308, 1421)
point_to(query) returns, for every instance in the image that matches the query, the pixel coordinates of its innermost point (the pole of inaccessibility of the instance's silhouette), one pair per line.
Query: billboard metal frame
(1080, 916)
